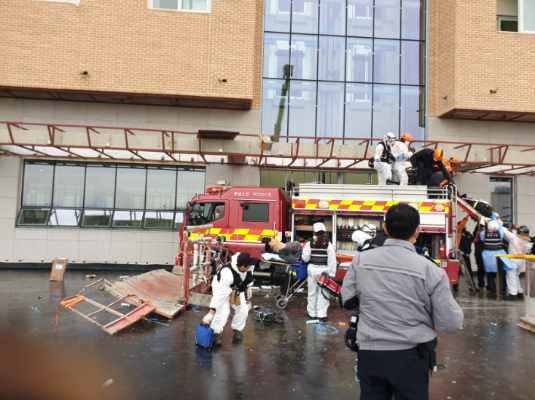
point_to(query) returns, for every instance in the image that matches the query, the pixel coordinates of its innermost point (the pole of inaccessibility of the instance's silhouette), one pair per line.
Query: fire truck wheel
(281, 303)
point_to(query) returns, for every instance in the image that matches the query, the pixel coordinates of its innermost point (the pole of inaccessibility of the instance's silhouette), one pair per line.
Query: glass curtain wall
(343, 68)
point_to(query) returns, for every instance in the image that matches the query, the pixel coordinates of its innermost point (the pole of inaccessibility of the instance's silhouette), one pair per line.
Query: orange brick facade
(128, 48)
(472, 66)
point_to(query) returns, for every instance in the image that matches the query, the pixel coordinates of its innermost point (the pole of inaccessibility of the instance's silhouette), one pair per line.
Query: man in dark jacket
(428, 163)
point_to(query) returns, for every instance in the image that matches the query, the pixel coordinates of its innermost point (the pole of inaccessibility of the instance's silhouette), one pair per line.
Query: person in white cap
(321, 256)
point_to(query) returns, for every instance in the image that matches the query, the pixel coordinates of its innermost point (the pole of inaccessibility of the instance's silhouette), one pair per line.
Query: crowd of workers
(393, 157)
(489, 239)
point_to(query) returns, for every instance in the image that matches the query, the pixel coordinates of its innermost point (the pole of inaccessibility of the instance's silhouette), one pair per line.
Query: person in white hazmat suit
(321, 256)
(519, 243)
(231, 287)
(401, 154)
(383, 158)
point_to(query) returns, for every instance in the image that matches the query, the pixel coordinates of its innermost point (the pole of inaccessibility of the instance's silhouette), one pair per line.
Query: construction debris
(160, 288)
(121, 322)
(59, 265)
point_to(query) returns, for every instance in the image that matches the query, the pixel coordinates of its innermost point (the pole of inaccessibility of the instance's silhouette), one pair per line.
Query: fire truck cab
(242, 216)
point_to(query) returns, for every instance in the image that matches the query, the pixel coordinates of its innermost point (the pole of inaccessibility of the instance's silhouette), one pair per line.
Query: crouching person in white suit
(231, 287)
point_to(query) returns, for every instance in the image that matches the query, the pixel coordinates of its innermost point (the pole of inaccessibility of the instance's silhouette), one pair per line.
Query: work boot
(520, 296)
(237, 338)
(218, 340)
(324, 319)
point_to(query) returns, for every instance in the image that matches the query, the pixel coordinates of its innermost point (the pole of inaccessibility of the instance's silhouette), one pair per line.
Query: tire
(282, 303)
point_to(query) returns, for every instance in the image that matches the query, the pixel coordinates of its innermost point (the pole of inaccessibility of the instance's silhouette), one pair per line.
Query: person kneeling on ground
(231, 286)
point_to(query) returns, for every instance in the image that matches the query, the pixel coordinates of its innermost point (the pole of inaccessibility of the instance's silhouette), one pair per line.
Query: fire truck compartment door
(434, 220)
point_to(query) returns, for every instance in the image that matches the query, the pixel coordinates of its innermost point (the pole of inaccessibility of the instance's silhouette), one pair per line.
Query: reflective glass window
(359, 60)
(99, 186)
(159, 220)
(64, 217)
(195, 5)
(360, 18)
(275, 107)
(127, 219)
(130, 188)
(96, 218)
(331, 58)
(37, 184)
(385, 109)
(276, 54)
(386, 61)
(358, 110)
(410, 63)
(69, 185)
(161, 185)
(410, 111)
(330, 109)
(304, 56)
(305, 16)
(302, 109)
(33, 216)
(333, 17)
(410, 19)
(255, 212)
(190, 183)
(277, 15)
(387, 18)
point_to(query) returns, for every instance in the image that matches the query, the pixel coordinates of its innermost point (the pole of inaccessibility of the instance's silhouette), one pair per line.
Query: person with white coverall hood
(519, 243)
(321, 256)
(383, 159)
(231, 286)
(402, 154)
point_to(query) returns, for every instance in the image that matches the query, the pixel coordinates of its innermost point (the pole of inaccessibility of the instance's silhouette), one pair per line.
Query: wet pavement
(490, 358)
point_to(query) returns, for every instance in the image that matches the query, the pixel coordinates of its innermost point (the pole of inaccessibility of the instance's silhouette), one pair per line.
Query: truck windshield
(205, 213)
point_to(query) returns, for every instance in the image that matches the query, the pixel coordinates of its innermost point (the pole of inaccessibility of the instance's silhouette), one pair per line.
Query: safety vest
(387, 156)
(493, 241)
(319, 255)
(238, 284)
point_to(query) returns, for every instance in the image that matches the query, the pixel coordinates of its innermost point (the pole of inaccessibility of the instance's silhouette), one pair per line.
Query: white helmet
(370, 229)
(360, 237)
(389, 137)
(493, 226)
(319, 227)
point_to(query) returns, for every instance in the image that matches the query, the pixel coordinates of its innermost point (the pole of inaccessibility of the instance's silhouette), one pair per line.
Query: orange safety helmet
(406, 137)
(438, 155)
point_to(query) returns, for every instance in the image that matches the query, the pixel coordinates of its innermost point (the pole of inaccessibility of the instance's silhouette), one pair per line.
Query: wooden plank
(59, 265)
(527, 324)
(129, 319)
(161, 288)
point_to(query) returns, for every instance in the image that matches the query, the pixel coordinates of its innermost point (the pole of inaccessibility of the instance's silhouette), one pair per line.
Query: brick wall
(126, 47)
(468, 57)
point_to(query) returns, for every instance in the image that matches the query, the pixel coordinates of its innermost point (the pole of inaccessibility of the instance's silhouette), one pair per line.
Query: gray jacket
(404, 298)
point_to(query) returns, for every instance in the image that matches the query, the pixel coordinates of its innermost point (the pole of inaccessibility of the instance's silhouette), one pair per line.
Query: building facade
(113, 115)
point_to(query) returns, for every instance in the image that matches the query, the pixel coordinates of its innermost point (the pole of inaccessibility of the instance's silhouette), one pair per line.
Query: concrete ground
(491, 358)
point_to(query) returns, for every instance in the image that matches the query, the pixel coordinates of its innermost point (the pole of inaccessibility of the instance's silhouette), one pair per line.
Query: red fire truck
(243, 216)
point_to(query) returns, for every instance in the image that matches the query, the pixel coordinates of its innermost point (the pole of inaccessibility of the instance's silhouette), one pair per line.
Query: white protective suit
(401, 154)
(517, 245)
(317, 304)
(221, 291)
(384, 169)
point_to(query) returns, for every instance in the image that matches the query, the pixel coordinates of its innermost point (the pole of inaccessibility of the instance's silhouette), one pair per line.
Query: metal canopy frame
(144, 145)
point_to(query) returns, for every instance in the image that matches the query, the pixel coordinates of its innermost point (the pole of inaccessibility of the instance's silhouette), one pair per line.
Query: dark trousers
(402, 374)
(480, 270)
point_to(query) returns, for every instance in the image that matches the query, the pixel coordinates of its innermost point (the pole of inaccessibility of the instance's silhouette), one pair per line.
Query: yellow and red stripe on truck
(438, 206)
(234, 234)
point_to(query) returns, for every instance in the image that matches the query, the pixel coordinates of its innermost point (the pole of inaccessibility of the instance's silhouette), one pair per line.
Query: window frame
(150, 5)
(108, 214)
(245, 204)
